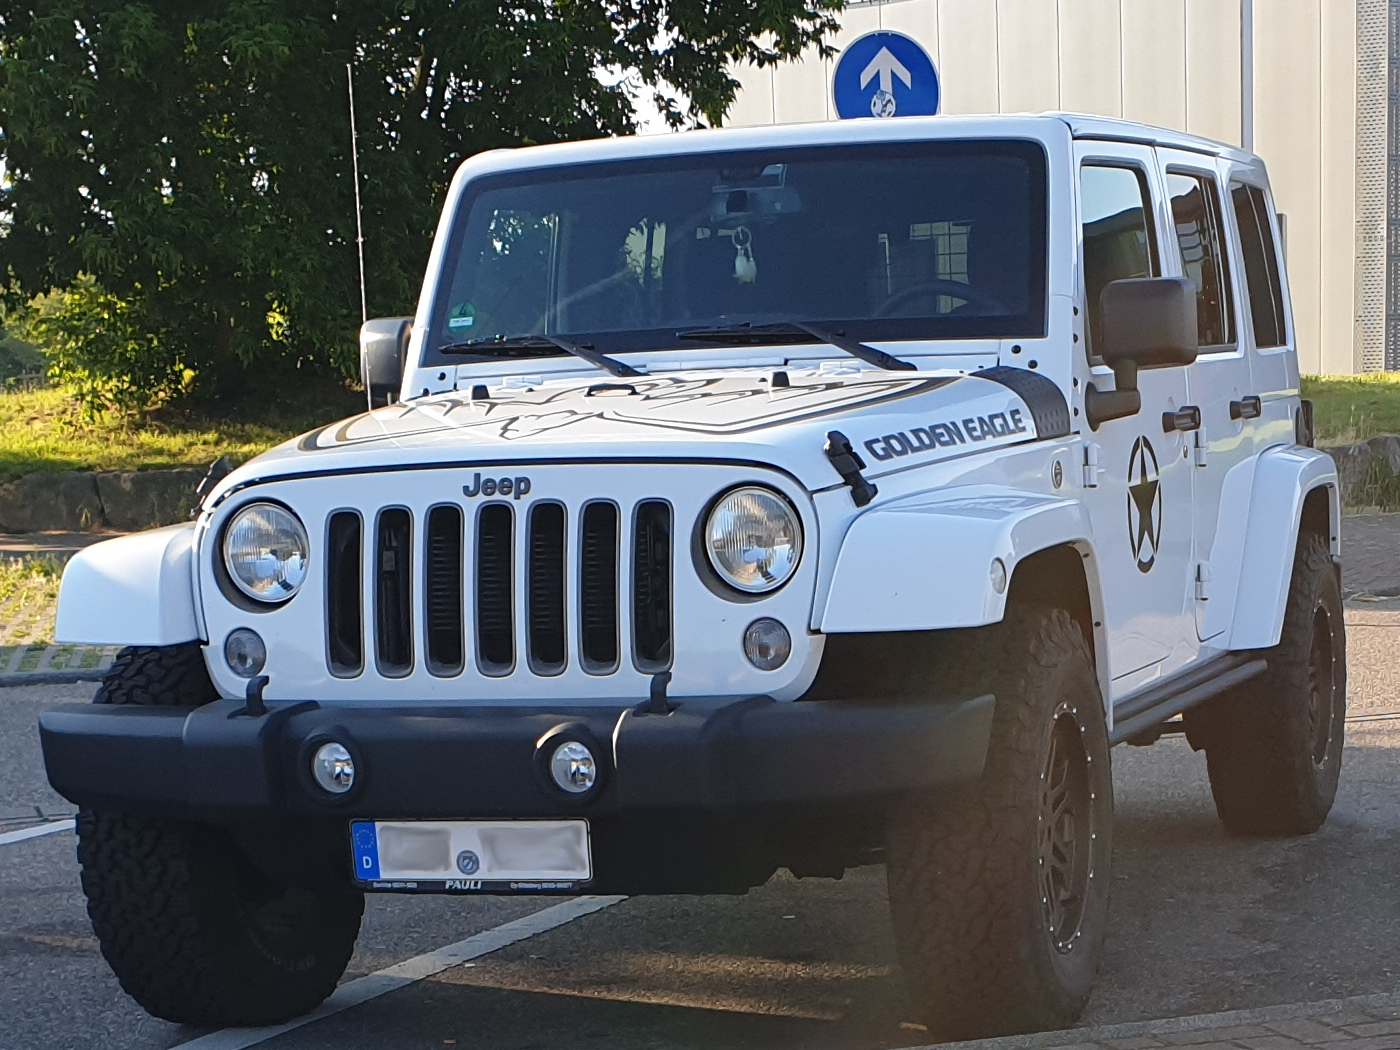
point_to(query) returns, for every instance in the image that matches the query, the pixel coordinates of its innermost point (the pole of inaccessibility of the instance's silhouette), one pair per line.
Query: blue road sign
(885, 75)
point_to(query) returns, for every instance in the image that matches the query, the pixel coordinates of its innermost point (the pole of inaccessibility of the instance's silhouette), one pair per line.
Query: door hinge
(1092, 470)
(1203, 581)
(1202, 446)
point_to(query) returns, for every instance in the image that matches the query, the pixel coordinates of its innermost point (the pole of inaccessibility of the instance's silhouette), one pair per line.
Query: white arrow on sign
(888, 67)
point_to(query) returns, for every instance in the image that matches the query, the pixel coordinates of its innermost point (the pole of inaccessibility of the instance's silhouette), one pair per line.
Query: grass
(43, 430)
(28, 597)
(1350, 409)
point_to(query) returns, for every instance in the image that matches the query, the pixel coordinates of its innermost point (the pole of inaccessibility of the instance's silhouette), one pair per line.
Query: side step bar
(1160, 701)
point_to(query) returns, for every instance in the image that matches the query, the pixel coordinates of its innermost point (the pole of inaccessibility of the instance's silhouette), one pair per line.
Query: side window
(1261, 276)
(1119, 238)
(1200, 235)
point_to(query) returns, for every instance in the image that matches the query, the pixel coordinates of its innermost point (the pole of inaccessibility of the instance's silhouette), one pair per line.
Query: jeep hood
(893, 420)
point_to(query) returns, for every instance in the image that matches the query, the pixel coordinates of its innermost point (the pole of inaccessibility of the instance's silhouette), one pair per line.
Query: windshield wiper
(796, 332)
(543, 342)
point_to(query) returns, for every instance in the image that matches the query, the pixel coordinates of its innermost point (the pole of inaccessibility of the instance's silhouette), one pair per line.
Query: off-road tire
(1274, 744)
(194, 932)
(973, 922)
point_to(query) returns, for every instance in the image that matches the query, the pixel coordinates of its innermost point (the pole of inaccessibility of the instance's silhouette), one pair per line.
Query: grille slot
(393, 593)
(461, 589)
(442, 590)
(651, 587)
(598, 631)
(545, 599)
(345, 645)
(495, 577)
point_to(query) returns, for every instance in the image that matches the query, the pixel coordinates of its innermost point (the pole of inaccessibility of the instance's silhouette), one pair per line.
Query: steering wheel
(940, 286)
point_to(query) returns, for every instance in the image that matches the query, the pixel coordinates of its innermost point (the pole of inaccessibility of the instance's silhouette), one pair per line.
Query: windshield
(928, 240)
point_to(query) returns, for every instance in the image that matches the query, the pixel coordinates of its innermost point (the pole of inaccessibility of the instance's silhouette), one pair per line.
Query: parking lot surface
(1201, 922)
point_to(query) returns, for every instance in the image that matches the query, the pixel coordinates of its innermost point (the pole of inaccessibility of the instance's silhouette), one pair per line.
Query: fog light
(333, 768)
(245, 652)
(573, 767)
(767, 644)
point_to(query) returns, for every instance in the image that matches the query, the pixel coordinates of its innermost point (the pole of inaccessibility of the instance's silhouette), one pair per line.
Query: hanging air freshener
(745, 269)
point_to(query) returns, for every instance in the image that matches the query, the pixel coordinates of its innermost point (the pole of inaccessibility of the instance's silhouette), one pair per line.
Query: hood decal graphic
(716, 405)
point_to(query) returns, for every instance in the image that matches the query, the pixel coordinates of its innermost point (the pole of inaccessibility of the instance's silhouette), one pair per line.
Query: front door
(1140, 501)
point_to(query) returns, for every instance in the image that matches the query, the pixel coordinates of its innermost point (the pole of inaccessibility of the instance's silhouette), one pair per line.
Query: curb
(1229, 1019)
(54, 664)
(51, 677)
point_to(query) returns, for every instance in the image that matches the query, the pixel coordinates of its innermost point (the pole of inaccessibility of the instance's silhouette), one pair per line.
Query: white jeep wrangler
(794, 497)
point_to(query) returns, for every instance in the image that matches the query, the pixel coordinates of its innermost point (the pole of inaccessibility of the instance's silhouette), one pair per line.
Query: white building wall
(1170, 62)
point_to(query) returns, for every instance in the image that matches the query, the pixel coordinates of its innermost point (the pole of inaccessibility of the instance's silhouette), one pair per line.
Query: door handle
(1187, 417)
(1247, 407)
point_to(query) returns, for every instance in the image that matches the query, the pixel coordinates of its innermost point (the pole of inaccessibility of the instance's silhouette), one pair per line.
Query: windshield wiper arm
(795, 331)
(533, 342)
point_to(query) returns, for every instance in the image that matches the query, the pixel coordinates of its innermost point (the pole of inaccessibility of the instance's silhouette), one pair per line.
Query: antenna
(355, 162)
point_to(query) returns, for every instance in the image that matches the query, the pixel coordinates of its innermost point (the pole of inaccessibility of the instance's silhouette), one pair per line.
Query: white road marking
(33, 833)
(411, 971)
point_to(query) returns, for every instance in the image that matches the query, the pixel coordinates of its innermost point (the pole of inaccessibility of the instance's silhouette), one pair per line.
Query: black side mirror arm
(1102, 405)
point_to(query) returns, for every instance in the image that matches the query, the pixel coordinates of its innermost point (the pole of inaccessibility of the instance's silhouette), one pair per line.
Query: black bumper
(748, 776)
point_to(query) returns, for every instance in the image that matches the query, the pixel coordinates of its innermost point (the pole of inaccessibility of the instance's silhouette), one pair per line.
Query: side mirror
(383, 351)
(1145, 323)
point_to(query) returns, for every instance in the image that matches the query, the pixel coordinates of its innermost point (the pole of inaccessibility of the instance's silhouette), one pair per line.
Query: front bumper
(717, 792)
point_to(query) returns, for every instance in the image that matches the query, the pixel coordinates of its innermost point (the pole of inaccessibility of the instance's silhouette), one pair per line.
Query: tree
(194, 155)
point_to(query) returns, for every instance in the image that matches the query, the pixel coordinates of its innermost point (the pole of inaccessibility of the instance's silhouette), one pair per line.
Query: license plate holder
(471, 856)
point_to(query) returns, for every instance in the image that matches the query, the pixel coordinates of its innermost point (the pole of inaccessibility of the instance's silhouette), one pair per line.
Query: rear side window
(1119, 239)
(1200, 236)
(1261, 272)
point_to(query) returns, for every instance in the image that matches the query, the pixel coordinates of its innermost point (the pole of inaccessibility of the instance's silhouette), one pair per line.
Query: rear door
(1204, 250)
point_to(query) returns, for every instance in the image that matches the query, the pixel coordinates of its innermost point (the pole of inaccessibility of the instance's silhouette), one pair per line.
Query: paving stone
(1193, 1039)
(1374, 1042)
(1276, 1042)
(1386, 1027)
(1350, 1015)
(1308, 1030)
(1140, 1043)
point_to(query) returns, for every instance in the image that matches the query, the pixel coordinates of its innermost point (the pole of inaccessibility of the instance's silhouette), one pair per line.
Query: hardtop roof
(848, 132)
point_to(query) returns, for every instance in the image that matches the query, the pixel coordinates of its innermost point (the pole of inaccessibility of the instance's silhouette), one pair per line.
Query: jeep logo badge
(514, 487)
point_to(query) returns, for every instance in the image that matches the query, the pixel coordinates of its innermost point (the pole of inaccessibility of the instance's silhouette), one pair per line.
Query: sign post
(884, 74)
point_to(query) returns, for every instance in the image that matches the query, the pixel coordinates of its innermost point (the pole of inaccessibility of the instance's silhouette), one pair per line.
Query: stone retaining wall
(72, 501)
(1369, 472)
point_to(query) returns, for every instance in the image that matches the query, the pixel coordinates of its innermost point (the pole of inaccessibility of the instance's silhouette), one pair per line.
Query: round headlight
(265, 552)
(754, 540)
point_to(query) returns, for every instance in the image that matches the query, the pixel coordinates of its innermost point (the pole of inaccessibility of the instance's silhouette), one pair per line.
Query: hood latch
(849, 465)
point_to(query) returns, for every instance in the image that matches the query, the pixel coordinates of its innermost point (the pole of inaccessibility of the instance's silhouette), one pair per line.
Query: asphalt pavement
(1200, 922)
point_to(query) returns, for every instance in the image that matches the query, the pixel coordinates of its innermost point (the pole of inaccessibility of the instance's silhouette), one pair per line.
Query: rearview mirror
(383, 351)
(1147, 322)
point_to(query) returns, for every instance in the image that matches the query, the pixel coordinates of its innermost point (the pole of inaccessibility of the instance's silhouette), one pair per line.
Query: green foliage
(102, 349)
(46, 430)
(17, 357)
(1348, 409)
(196, 157)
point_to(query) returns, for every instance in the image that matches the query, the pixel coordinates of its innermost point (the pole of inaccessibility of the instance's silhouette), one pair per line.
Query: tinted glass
(1119, 243)
(929, 240)
(1260, 265)
(1196, 213)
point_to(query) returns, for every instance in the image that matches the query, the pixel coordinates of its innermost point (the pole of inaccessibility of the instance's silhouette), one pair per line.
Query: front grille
(531, 589)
